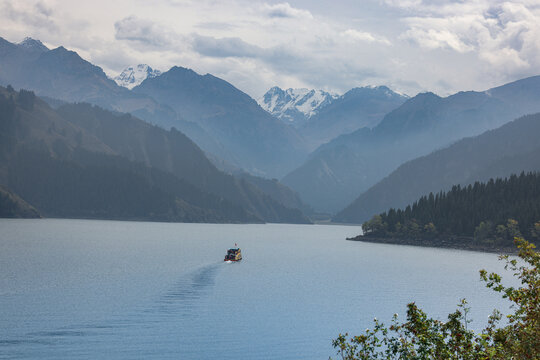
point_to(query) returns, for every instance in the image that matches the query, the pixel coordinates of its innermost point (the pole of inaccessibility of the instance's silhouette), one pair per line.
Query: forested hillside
(490, 213)
(83, 161)
(509, 149)
(173, 152)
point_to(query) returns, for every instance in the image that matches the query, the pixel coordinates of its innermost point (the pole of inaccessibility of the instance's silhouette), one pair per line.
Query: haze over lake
(122, 290)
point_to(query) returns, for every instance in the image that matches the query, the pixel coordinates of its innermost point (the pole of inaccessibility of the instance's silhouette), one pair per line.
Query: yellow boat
(234, 254)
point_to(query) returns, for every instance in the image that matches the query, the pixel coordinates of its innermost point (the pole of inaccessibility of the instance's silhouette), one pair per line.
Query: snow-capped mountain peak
(134, 75)
(295, 105)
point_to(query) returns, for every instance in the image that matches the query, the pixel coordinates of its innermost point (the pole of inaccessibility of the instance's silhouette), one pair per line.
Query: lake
(84, 289)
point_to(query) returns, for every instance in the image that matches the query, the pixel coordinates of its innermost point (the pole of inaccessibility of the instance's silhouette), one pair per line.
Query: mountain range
(62, 74)
(83, 161)
(254, 140)
(221, 119)
(326, 149)
(320, 116)
(348, 165)
(357, 108)
(509, 149)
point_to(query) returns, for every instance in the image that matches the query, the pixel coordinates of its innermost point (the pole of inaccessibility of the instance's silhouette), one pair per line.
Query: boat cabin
(234, 254)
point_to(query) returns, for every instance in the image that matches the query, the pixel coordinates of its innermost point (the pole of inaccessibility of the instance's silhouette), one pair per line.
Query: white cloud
(364, 36)
(142, 30)
(412, 45)
(502, 35)
(433, 38)
(403, 3)
(34, 15)
(285, 10)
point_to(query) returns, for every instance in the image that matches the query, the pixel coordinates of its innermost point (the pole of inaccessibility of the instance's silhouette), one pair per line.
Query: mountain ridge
(77, 141)
(357, 108)
(509, 149)
(257, 141)
(342, 169)
(219, 117)
(62, 74)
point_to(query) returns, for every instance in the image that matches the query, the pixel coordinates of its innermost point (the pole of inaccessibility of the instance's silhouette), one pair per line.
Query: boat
(233, 254)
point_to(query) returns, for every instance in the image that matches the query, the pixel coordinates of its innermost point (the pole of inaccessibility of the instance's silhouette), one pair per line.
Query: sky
(409, 45)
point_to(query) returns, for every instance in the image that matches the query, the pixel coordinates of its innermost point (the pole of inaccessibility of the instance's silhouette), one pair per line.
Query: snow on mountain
(295, 106)
(134, 75)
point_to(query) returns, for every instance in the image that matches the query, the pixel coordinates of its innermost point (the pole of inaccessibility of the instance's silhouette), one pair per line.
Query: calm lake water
(80, 289)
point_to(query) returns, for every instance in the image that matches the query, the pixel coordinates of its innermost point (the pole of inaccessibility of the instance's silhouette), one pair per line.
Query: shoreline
(444, 244)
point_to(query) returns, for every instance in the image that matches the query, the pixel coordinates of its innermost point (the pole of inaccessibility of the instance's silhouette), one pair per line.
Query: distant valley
(199, 149)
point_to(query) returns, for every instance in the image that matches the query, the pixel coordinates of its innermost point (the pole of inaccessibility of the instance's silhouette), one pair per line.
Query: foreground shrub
(422, 337)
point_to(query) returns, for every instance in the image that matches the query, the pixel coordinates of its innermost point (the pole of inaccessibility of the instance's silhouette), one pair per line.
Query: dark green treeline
(492, 212)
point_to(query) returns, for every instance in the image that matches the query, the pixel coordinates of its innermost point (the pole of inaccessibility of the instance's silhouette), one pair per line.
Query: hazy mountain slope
(271, 187)
(522, 94)
(509, 149)
(342, 169)
(277, 191)
(257, 141)
(173, 152)
(16, 57)
(93, 185)
(12, 206)
(357, 108)
(64, 75)
(66, 169)
(63, 170)
(221, 119)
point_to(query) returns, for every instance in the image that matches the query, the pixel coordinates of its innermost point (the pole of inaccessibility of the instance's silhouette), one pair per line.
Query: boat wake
(183, 300)
(186, 294)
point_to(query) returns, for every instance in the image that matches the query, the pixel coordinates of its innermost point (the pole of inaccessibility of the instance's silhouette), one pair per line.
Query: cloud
(414, 45)
(285, 10)
(43, 9)
(436, 38)
(364, 36)
(501, 34)
(216, 25)
(144, 31)
(403, 3)
(36, 14)
(224, 47)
